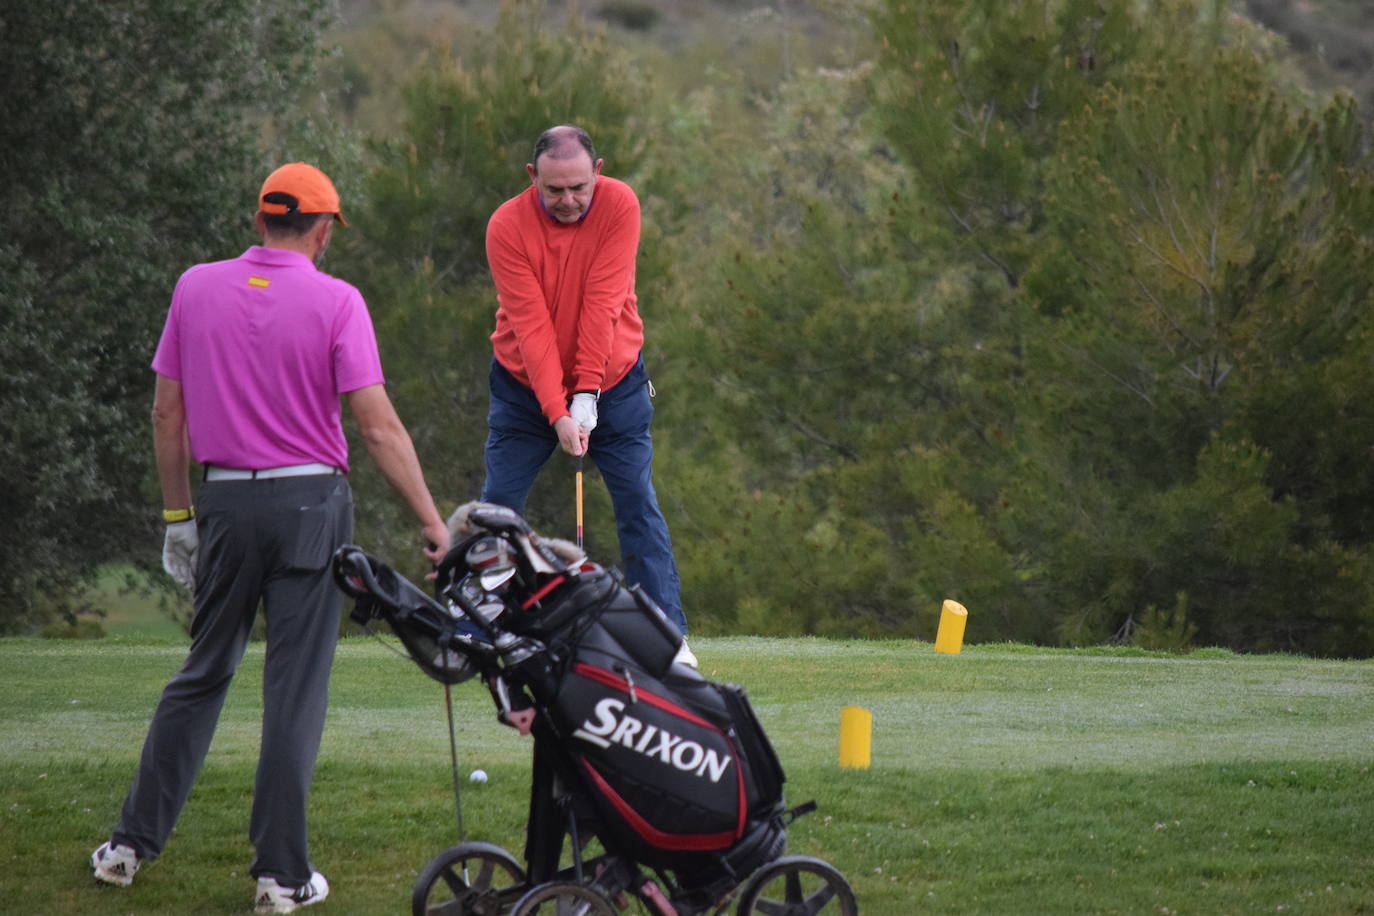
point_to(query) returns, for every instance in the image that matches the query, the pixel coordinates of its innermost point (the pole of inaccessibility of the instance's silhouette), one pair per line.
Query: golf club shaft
(579, 502)
(453, 756)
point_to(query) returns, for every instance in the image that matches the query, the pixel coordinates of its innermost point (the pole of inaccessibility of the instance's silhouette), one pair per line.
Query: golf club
(579, 502)
(453, 757)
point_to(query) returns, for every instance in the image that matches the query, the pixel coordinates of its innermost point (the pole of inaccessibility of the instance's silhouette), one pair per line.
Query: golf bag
(665, 767)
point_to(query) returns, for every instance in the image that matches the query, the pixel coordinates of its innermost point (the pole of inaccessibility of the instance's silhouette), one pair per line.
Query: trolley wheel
(563, 898)
(798, 886)
(470, 879)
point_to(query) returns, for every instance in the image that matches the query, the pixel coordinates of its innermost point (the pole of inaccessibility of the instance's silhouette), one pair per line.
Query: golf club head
(497, 519)
(493, 560)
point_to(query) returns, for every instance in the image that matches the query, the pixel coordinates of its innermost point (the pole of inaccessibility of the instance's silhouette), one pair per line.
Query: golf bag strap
(803, 808)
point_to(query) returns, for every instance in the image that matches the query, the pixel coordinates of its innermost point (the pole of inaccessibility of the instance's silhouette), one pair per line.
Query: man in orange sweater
(568, 369)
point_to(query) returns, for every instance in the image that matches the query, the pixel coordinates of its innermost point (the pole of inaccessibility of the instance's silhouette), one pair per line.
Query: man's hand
(571, 435)
(583, 410)
(179, 550)
(436, 540)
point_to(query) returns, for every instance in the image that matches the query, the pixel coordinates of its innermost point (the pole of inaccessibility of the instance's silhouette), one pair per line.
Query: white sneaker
(273, 898)
(685, 656)
(115, 864)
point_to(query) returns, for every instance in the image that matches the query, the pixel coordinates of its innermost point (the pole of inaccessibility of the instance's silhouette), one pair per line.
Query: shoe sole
(109, 877)
(270, 908)
(265, 905)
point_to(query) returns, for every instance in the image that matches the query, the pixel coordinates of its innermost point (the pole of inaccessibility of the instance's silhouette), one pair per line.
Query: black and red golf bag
(665, 767)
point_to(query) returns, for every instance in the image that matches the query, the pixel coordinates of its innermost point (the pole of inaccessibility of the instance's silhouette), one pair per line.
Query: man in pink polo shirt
(253, 360)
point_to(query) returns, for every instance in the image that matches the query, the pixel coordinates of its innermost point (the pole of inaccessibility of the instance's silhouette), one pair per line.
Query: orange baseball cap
(312, 189)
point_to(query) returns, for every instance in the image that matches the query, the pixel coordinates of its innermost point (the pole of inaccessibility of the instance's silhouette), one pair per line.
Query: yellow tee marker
(856, 737)
(950, 637)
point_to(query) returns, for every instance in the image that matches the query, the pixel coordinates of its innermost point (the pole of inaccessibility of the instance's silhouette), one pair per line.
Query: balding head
(564, 171)
(565, 141)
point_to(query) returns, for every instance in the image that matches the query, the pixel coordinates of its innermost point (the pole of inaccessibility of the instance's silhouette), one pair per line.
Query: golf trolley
(670, 772)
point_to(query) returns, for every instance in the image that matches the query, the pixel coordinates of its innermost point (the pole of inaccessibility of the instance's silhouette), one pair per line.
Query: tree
(818, 352)
(1181, 247)
(132, 135)
(1053, 361)
(1212, 303)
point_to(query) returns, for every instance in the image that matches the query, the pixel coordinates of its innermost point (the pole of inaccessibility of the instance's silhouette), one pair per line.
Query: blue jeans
(520, 441)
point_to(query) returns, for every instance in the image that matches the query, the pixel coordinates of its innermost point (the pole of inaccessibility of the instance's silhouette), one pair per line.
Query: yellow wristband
(178, 515)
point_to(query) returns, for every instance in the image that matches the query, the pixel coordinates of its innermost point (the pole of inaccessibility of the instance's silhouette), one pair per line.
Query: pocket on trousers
(315, 535)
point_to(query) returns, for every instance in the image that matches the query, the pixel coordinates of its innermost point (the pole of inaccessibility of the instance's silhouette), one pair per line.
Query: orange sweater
(567, 318)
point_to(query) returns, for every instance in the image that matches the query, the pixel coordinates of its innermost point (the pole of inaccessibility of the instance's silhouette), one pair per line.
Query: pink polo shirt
(263, 346)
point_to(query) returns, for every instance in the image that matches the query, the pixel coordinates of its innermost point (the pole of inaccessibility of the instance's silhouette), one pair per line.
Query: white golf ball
(478, 776)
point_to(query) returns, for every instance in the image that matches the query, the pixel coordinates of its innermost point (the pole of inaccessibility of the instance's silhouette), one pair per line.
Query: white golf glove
(583, 410)
(179, 552)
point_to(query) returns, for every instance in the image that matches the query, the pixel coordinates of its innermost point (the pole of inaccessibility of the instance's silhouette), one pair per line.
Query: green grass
(1006, 779)
(128, 608)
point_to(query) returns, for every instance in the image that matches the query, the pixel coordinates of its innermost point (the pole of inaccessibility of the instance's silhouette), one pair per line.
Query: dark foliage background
(1060, 310)
(129, 137)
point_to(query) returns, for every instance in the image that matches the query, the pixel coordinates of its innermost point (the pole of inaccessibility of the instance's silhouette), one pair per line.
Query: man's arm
(524, 306)
(172, 454)
(171, 449)
(394, 453)
(610, 283)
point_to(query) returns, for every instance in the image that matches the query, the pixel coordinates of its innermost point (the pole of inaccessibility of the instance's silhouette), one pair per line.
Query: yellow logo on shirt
(260, 282)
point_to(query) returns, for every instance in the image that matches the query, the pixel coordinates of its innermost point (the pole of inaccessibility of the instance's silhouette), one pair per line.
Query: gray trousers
(268, 540)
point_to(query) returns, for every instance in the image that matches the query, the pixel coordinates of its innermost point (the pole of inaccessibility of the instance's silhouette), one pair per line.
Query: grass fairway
(1005, 779)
